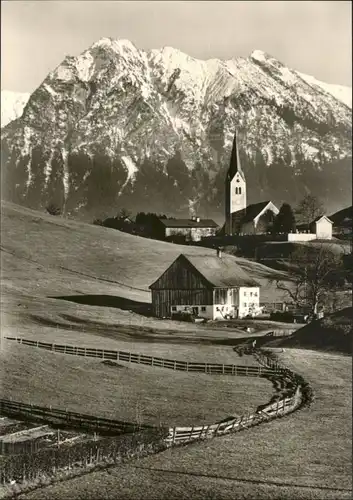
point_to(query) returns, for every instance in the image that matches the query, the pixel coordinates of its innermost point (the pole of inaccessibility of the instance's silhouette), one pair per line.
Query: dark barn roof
(219, 272)
(185, 223)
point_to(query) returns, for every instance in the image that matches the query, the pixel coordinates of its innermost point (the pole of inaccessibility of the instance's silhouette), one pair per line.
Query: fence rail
(172, 364)
(69, 418)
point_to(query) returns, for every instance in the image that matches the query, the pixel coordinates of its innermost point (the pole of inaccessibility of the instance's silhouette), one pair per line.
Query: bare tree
(309, 208)
(124, 213)
(317, 275)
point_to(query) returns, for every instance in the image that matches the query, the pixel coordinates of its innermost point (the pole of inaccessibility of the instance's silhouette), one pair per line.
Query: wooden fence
(172, 364)
(49, 461)
(71, 419)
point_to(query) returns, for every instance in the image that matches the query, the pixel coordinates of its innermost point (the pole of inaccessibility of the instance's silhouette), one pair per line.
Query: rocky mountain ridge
(119, 126)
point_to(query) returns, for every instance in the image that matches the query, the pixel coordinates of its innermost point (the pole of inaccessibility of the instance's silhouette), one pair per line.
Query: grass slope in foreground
(302, 457)
(129, 392)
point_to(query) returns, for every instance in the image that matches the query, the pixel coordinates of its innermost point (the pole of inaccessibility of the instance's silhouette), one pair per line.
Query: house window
(245, 304)
(236, 190)
(244, 293)
(240, 190)
(203, 308)
(174, 308)
(250, 294)
(255, 294)
(185, 308)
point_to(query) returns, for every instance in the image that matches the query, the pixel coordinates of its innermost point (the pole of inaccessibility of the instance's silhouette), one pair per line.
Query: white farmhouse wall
(324, 229)
(301, 236)
(204, 311)
(249, 298)
(240, 303)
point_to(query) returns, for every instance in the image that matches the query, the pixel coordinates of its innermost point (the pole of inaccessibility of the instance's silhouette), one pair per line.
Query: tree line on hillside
(143, 224)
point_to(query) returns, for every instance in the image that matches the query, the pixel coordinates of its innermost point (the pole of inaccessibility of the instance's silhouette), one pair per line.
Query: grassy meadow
(124, 391)
(305, 456)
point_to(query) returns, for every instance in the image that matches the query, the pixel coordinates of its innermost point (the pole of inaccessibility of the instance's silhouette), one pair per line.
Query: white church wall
(237, 193)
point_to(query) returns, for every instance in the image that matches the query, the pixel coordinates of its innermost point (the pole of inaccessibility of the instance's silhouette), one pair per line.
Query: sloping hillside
(46, 257)
(332, 333)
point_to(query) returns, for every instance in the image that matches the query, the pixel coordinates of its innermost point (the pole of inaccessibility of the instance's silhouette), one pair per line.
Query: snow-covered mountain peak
(166, 120)
(259, 55)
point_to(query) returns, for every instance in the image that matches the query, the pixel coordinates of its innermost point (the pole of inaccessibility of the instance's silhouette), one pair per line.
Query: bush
(53, 209)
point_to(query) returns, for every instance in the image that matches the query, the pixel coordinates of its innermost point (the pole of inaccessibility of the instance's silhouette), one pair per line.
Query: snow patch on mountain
(340, 92)
(12, 105)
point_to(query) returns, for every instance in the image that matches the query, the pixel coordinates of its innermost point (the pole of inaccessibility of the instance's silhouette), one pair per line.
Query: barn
(209, 286)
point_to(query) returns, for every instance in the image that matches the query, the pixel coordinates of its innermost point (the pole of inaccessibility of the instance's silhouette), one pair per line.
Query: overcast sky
(311, 36)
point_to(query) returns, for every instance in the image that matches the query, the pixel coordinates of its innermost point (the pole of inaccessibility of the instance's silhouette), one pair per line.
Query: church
(241, 218)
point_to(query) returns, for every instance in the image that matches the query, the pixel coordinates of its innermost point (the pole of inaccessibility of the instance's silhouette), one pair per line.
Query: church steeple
(235, 190)
(235, 165)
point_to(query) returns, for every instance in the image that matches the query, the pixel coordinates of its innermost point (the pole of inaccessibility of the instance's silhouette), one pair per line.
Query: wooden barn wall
(162, 300)
(221, 296)
(180, 276)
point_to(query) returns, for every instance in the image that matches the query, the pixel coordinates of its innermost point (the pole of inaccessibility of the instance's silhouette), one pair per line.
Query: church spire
(235, 165)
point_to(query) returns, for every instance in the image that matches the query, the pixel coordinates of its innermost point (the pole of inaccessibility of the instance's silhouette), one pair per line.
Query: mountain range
(118, 126)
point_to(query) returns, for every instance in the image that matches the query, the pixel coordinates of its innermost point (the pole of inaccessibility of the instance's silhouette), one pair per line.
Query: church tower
(235, 191)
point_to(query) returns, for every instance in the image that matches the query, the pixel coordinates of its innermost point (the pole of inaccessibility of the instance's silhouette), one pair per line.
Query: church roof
(249, 213)
(185, 223)
(235, 165)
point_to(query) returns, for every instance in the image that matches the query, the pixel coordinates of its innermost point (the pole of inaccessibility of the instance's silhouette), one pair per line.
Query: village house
(193, 229)
(319, 229)
(209, 286)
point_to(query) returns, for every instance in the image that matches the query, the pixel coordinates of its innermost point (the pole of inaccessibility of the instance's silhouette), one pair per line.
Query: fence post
(187, 366)
(174, 365)
(174, 432)
(223, 369)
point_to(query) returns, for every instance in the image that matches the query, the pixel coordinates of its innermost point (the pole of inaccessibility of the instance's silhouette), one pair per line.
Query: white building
(319, 229)
(209, 286)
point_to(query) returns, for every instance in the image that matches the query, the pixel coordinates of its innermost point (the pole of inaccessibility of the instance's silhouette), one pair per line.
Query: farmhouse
(191, 229)
(212, 287)
(241, 218)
